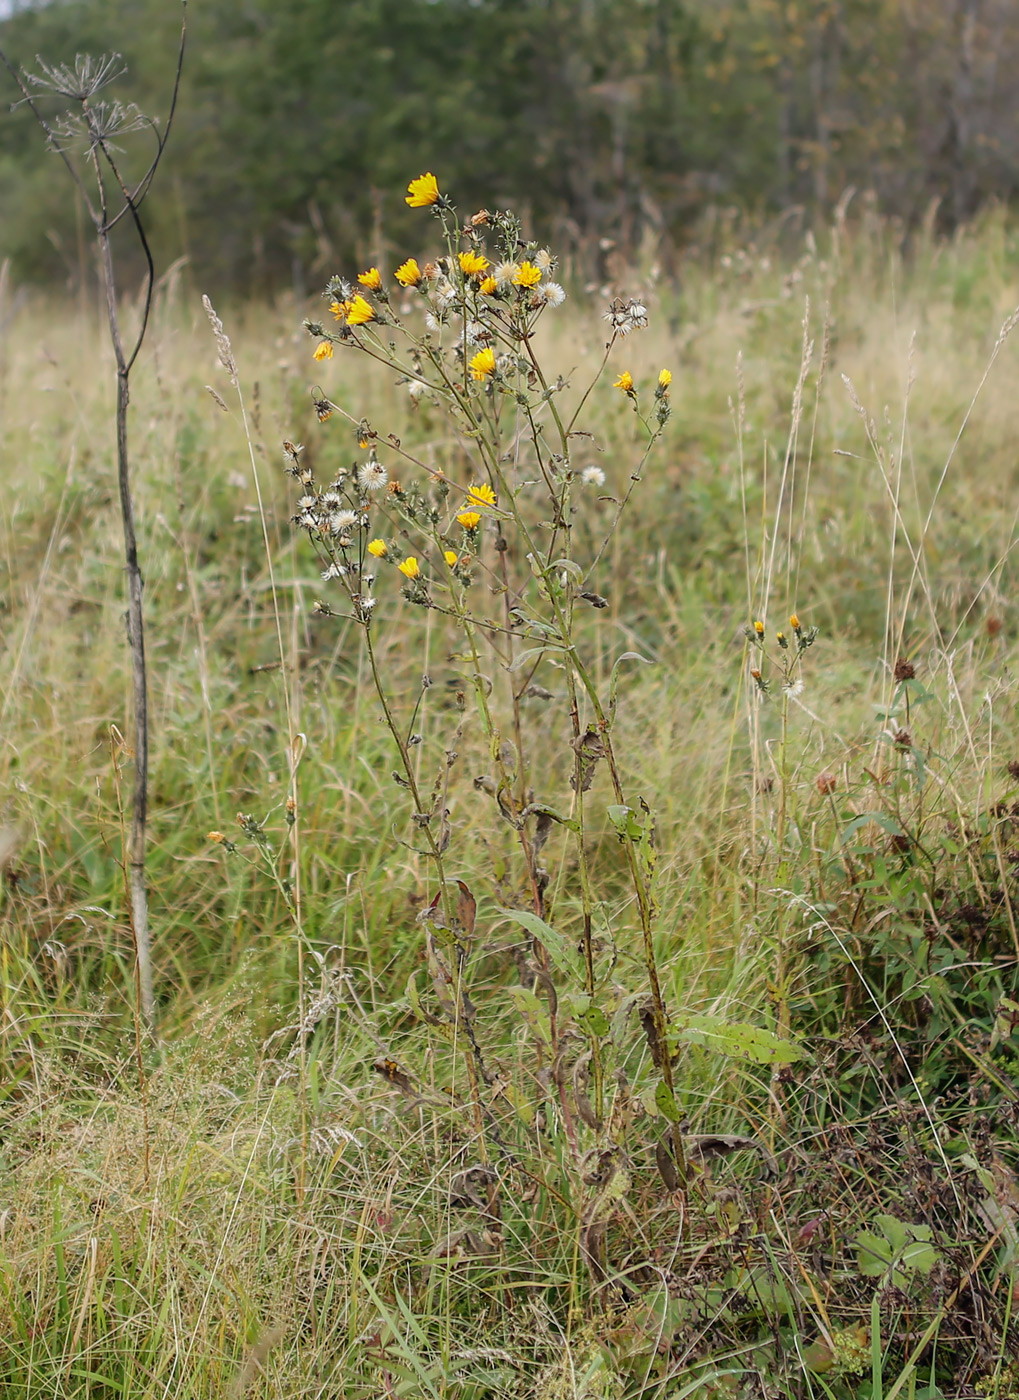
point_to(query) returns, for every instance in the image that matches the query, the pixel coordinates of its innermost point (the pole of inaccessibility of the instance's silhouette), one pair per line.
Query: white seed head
(372, 476)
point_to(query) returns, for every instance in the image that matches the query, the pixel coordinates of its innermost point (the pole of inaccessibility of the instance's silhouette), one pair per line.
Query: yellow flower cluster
(625, 382)
(408, 274)
(482, 365)
(358, 311)
(479, 312)
(482, 495)
(527, 275)
(423, 191)
(451, 285)
(472, 264)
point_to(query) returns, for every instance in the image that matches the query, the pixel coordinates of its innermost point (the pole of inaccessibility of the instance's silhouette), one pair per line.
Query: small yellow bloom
(483, 363)
(472, 263)
(378, 549)
(527, 275)
(624, 382)
(324, 351)
(482, 495)
(794, 623)
(759, 627)
(359, 311)
(410, 568)
(216, 836)
(423, 191)
(665, 378)
(372, 279)
(339, 309)
(451, 557)
(408, 274)
(489, 286)
(469, 519)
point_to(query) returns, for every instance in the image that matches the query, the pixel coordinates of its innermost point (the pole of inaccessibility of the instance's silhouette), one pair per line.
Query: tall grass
(284, 1202)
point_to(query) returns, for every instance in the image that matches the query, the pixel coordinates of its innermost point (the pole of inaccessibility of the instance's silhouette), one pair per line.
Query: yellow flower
(794, 623)
(469, 519)
(216, 836)
(488, 286)
(527, 275)
(483, 363)
(472, 263)
(378, 549)
(408, 274)
(665, 379)
(482, 495)
(759, 628)
(451, 557)
(624, 382)
(359, 311)
(339, 309)
(372, 279)
(423, 191)
(324, 351)
(410, 568)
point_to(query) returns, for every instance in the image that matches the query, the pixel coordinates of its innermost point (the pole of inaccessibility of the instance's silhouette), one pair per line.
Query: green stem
(411, 778)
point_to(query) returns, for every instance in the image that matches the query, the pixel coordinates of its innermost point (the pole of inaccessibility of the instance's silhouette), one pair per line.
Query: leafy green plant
(894, 1250)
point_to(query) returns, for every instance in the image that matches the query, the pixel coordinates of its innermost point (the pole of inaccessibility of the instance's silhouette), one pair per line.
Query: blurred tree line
(301, 120)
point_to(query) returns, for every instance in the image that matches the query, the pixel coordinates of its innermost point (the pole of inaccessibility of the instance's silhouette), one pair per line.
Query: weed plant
(420, 1122)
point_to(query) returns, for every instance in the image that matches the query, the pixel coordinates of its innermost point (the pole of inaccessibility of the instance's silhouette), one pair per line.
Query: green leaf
(649, 1100)
(895, 1249)
(595, 1022)
(614, 679)
(882, 819)
(531, 654)
(532, 1010)
(560, 950)
(739, 1040)
(542, 809)
(569, 566)
(665, 1102)
(624, 819)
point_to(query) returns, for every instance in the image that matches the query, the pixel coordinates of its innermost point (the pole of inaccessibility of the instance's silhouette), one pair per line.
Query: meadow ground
(308, 1188)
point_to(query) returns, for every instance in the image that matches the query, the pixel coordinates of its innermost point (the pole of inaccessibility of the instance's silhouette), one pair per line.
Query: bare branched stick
(94, 123)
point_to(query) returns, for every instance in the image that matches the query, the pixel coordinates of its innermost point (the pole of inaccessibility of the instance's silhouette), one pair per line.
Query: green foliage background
(609, 121)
